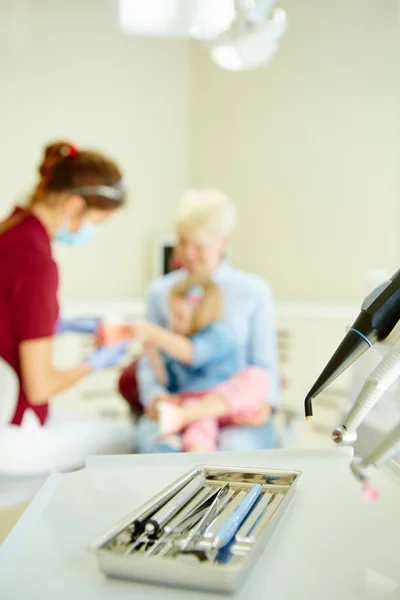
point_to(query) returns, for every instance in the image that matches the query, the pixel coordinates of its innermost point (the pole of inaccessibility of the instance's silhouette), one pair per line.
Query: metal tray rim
(207, 576)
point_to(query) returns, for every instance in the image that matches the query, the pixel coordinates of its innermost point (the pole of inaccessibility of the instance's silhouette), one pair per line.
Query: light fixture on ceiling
(212, 17)
(240, 34)
(252, 40)
(200, 19)
(244, 55)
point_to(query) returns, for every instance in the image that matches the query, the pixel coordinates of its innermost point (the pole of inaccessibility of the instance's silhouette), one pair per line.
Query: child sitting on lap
(197, 360)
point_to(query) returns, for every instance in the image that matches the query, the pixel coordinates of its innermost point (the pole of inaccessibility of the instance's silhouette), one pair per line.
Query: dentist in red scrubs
(77, 190)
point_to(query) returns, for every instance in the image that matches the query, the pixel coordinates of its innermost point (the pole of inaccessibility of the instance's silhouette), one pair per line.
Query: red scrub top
(28, 296)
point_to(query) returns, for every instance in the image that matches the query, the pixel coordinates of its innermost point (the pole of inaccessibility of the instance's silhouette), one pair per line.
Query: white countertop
(329, 544)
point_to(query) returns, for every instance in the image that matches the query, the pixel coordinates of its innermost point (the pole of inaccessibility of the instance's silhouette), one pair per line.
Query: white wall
(307, 146)
(66, 72)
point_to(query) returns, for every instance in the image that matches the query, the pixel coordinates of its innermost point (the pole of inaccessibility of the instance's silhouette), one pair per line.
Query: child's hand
(151, 410)
(143, 330)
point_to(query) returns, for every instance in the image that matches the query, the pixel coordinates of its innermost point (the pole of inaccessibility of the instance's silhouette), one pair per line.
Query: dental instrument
(169, 510)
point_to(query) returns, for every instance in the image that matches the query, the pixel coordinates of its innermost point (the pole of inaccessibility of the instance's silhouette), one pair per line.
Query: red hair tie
(70, 150)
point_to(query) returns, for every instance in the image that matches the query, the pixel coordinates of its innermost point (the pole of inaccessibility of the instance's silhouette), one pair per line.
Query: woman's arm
(263, 347)
(157, 362)
(34, 313)
(149, 388)
(262, 352)
(40, 379)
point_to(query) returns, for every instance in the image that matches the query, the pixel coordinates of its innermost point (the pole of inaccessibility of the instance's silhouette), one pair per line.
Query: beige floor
(9, 517)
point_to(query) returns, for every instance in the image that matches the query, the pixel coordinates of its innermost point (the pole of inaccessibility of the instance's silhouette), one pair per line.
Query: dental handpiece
(379, 381)
(170, 509)
(362, 469)
(380, 313)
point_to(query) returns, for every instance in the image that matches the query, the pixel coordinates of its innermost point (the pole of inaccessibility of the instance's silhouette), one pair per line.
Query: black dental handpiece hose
(379, 314)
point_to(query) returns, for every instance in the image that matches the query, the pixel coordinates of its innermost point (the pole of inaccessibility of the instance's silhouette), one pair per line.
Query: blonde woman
(205, 223)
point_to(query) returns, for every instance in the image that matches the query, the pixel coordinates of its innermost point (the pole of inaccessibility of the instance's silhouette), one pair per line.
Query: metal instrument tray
(116, 560)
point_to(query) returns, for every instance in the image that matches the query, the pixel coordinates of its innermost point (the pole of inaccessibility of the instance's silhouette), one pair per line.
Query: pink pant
(244, 393)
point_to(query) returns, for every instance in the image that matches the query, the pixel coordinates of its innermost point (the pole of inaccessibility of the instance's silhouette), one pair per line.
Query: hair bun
(53, 154)
(69, 150)
(65, 168)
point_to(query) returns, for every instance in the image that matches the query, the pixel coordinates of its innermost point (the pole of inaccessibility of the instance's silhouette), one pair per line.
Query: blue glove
(107, 356)
(78, 325)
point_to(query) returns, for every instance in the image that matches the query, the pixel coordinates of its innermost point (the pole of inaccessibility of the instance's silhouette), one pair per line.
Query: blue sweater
(215, 360)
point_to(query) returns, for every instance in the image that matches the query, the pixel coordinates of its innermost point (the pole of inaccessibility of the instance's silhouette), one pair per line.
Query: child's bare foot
(170, 418)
